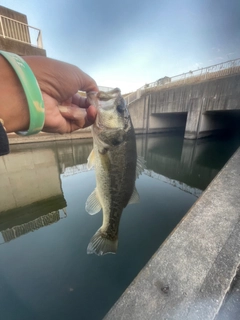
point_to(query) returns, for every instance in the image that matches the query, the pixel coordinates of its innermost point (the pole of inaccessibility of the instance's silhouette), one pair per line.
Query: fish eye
(121, 107)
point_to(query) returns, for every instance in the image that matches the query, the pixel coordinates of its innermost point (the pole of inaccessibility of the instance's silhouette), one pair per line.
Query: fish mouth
(109, 95)
(106, 102)
(92, 98)
(95, 98)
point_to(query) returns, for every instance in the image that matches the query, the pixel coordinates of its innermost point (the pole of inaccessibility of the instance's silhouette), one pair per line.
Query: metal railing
(19, 31)
(207, 73)
(103, 88)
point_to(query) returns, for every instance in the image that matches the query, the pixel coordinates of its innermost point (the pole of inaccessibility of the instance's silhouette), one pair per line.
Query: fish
(114, 157)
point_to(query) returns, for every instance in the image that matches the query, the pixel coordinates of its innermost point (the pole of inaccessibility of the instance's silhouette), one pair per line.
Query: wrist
(32, 92)
(13, 103)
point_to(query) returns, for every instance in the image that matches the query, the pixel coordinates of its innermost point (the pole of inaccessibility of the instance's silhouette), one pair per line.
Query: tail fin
(100, 245)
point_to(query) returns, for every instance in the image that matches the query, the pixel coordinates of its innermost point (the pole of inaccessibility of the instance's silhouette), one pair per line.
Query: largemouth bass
(116, 165)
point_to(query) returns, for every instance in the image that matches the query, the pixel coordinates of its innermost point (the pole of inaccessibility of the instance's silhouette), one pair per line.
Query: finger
(82, 117)
(86, 83)
(75, 121)
(80, 101)
(91, 115)
(72, 112)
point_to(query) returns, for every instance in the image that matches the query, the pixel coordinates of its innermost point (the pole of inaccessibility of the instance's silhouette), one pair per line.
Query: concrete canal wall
(189, 275)
(201, 109)
(44, 137)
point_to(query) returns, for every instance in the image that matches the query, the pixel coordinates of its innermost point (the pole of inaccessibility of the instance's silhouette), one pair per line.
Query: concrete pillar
(146, 114)
(193, 119)
(139, 111)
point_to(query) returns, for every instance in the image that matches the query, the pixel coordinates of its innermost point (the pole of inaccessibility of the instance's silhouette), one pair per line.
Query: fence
(207, 73)
(19, 31)
(102, 88)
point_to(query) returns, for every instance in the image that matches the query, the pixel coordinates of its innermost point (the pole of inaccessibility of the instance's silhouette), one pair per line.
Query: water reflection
(193, 162)
(46, 274)
(17, 230)
(41, 168)
(27, 176)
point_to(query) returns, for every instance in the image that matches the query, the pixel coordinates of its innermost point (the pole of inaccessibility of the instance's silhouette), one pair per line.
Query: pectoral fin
(93, 205)
(91, 160)
(135, 197)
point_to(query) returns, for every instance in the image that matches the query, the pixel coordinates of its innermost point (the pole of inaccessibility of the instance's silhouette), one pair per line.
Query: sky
(129, 43)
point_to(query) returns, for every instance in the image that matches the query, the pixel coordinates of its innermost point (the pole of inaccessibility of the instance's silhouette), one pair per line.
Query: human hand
(65, 109)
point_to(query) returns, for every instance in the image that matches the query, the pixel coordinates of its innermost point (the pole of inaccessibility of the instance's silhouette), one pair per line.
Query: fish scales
(117, 181)
(114, 157)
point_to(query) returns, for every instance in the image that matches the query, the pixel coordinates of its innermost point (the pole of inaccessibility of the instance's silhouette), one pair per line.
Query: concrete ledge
(190, 135)
(190, 274)
(165, 130)
(43, 137)
(20, 48)
(204, 134)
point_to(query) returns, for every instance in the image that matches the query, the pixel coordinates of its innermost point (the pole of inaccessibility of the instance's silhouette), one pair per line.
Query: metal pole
(39, 40)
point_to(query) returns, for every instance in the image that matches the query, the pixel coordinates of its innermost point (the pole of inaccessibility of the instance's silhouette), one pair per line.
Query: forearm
(59, 83)
(13, 103)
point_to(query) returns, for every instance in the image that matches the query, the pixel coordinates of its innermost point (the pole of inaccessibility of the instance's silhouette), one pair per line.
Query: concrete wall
(43, 136)
(217, 94)
(22, 49)
(15, 46)
(202, 102)
(13, 15)
(166, 122)
(139, 111)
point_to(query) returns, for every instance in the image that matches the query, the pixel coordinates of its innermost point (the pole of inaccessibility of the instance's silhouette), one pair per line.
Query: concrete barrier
(190, 274)
(43, 136)
(202, 109)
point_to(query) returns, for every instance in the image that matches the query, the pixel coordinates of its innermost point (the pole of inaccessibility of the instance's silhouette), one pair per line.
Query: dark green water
(45, 272)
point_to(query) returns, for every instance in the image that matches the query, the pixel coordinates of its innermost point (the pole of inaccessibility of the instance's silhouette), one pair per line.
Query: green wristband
(32, 92)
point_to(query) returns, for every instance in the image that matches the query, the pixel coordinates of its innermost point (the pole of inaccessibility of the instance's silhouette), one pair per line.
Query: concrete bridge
(201, 102)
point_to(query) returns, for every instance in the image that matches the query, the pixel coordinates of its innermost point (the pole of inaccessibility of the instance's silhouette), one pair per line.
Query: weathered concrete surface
(22, 49)
(230, 309)
(190, 274)
(43, 137)
(18, 47)
(211, 106)
(193, 119)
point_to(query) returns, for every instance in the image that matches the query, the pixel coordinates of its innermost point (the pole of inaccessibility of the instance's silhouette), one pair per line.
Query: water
(45, 272)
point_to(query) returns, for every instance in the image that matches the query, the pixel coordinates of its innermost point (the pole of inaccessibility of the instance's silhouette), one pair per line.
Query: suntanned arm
(65, 110)
(13, 104)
